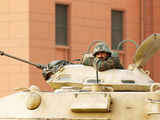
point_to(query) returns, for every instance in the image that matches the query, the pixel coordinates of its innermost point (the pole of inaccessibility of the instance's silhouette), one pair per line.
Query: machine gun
(47, 70)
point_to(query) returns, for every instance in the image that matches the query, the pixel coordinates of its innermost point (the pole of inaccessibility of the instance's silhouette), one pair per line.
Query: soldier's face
(102, 55)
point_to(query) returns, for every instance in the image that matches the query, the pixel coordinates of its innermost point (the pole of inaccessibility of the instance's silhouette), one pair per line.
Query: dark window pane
(117, 28)
(61, 24)
(61, 36)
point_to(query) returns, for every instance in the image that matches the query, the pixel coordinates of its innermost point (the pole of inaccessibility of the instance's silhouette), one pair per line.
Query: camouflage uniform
(87, 59)
(109, 63)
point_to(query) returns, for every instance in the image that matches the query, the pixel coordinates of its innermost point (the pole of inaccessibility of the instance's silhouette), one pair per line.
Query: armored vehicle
(79, 93)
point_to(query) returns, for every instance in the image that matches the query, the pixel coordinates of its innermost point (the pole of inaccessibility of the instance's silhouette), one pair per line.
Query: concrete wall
(14, 39)
(41, 38)
(156, 29)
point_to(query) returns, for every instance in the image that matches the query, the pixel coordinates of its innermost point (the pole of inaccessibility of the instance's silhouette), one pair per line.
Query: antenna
(97, 70)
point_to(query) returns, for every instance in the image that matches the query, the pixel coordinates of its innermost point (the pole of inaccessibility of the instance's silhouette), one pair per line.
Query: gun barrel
(25, 61)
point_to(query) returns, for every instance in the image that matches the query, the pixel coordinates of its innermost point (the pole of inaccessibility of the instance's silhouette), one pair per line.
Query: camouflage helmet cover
(101, 47)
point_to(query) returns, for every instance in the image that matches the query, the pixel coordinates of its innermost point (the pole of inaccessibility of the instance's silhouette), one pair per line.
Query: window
(61, 24)
(117, 28)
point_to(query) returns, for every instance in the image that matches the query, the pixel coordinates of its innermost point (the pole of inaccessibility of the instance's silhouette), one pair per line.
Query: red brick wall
(156, 29)
(14, 38)
(41, 34)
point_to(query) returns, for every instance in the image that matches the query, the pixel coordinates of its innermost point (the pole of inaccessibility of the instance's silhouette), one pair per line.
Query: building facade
(45, 30)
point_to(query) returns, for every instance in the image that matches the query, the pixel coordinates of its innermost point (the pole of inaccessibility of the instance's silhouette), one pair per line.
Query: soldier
(102, 58)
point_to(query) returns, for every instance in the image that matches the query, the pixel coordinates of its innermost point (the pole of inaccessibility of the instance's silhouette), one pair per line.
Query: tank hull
(81, 106)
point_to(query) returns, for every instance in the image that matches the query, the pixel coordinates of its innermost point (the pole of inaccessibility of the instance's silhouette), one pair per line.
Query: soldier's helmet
(101, 47)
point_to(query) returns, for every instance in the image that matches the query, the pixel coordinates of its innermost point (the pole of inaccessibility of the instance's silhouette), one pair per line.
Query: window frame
(124, 33)
(66, 39)
(120, 52)
(67, 3)
(123, 14)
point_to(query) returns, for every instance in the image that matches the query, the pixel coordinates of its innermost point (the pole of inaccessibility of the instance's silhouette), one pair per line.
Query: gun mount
(48, 70)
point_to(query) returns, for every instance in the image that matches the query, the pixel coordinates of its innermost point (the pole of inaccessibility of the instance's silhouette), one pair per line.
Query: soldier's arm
(116, 62)
(103, 65)
(87, 59)
(110, 63)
